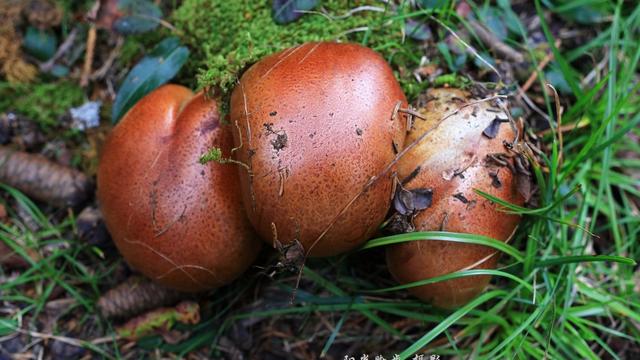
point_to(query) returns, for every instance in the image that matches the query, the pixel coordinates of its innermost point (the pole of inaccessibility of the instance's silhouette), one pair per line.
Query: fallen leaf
(155, 69)
(408, 202)
(286, 11)
(417, 30)
(42, 44)
(160, 321)
(139, 16)
(491, 131)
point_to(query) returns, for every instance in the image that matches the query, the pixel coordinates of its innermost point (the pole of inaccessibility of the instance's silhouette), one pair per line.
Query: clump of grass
(63, 265)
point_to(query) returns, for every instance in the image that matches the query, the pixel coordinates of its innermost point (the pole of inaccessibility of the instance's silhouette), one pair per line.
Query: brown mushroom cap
(452, 161)
(175, 220)
(315, 123)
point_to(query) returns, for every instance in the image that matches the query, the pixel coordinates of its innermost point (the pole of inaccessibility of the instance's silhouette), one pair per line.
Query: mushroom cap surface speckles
(315, 123)
(453, 161)
(175, 220)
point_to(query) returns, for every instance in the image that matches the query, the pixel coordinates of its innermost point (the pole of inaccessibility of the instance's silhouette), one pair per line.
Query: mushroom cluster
(308, 156)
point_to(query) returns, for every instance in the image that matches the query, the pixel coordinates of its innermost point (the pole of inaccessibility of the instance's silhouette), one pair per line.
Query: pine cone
(135, 295)
(44, 180)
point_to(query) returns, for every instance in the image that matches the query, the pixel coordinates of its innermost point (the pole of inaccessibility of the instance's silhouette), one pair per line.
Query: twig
(412, 113)
(547, 59)
(113, 55)
(66, 339)
(595, 72)
(345, 15)
(565, 128)
(496, 44)
(162, 22)
(62, 49)
(532, 105)
(88, 58)
(534, 74)
(558, 121)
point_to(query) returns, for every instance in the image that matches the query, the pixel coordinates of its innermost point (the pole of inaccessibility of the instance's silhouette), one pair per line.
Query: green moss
(43, 103)
(453, 80)
(214, 154)
(131, 49)
(226, 36)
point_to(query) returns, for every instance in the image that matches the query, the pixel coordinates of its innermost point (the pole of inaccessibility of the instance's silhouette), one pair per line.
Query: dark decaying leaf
(408, 202)
(155, 69)
(422, 198)
(524, 178)
(524, 184)
(41, 44)
(399, 224)
(139, 16)
(64, 351)
(495, 180)
(291, 258)
(460, 196)
(9, 259)
(417, 30)
(491, 131)
(10, 345)
(91, 227)
(286, 11)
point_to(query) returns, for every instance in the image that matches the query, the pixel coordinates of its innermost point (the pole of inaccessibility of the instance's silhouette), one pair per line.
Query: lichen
(227, 36)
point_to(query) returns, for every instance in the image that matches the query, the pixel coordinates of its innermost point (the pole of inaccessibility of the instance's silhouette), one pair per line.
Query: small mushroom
(452, 160)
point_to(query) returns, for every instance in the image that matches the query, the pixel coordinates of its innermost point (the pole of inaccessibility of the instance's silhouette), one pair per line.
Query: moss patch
(43, 103)
(226, 36)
